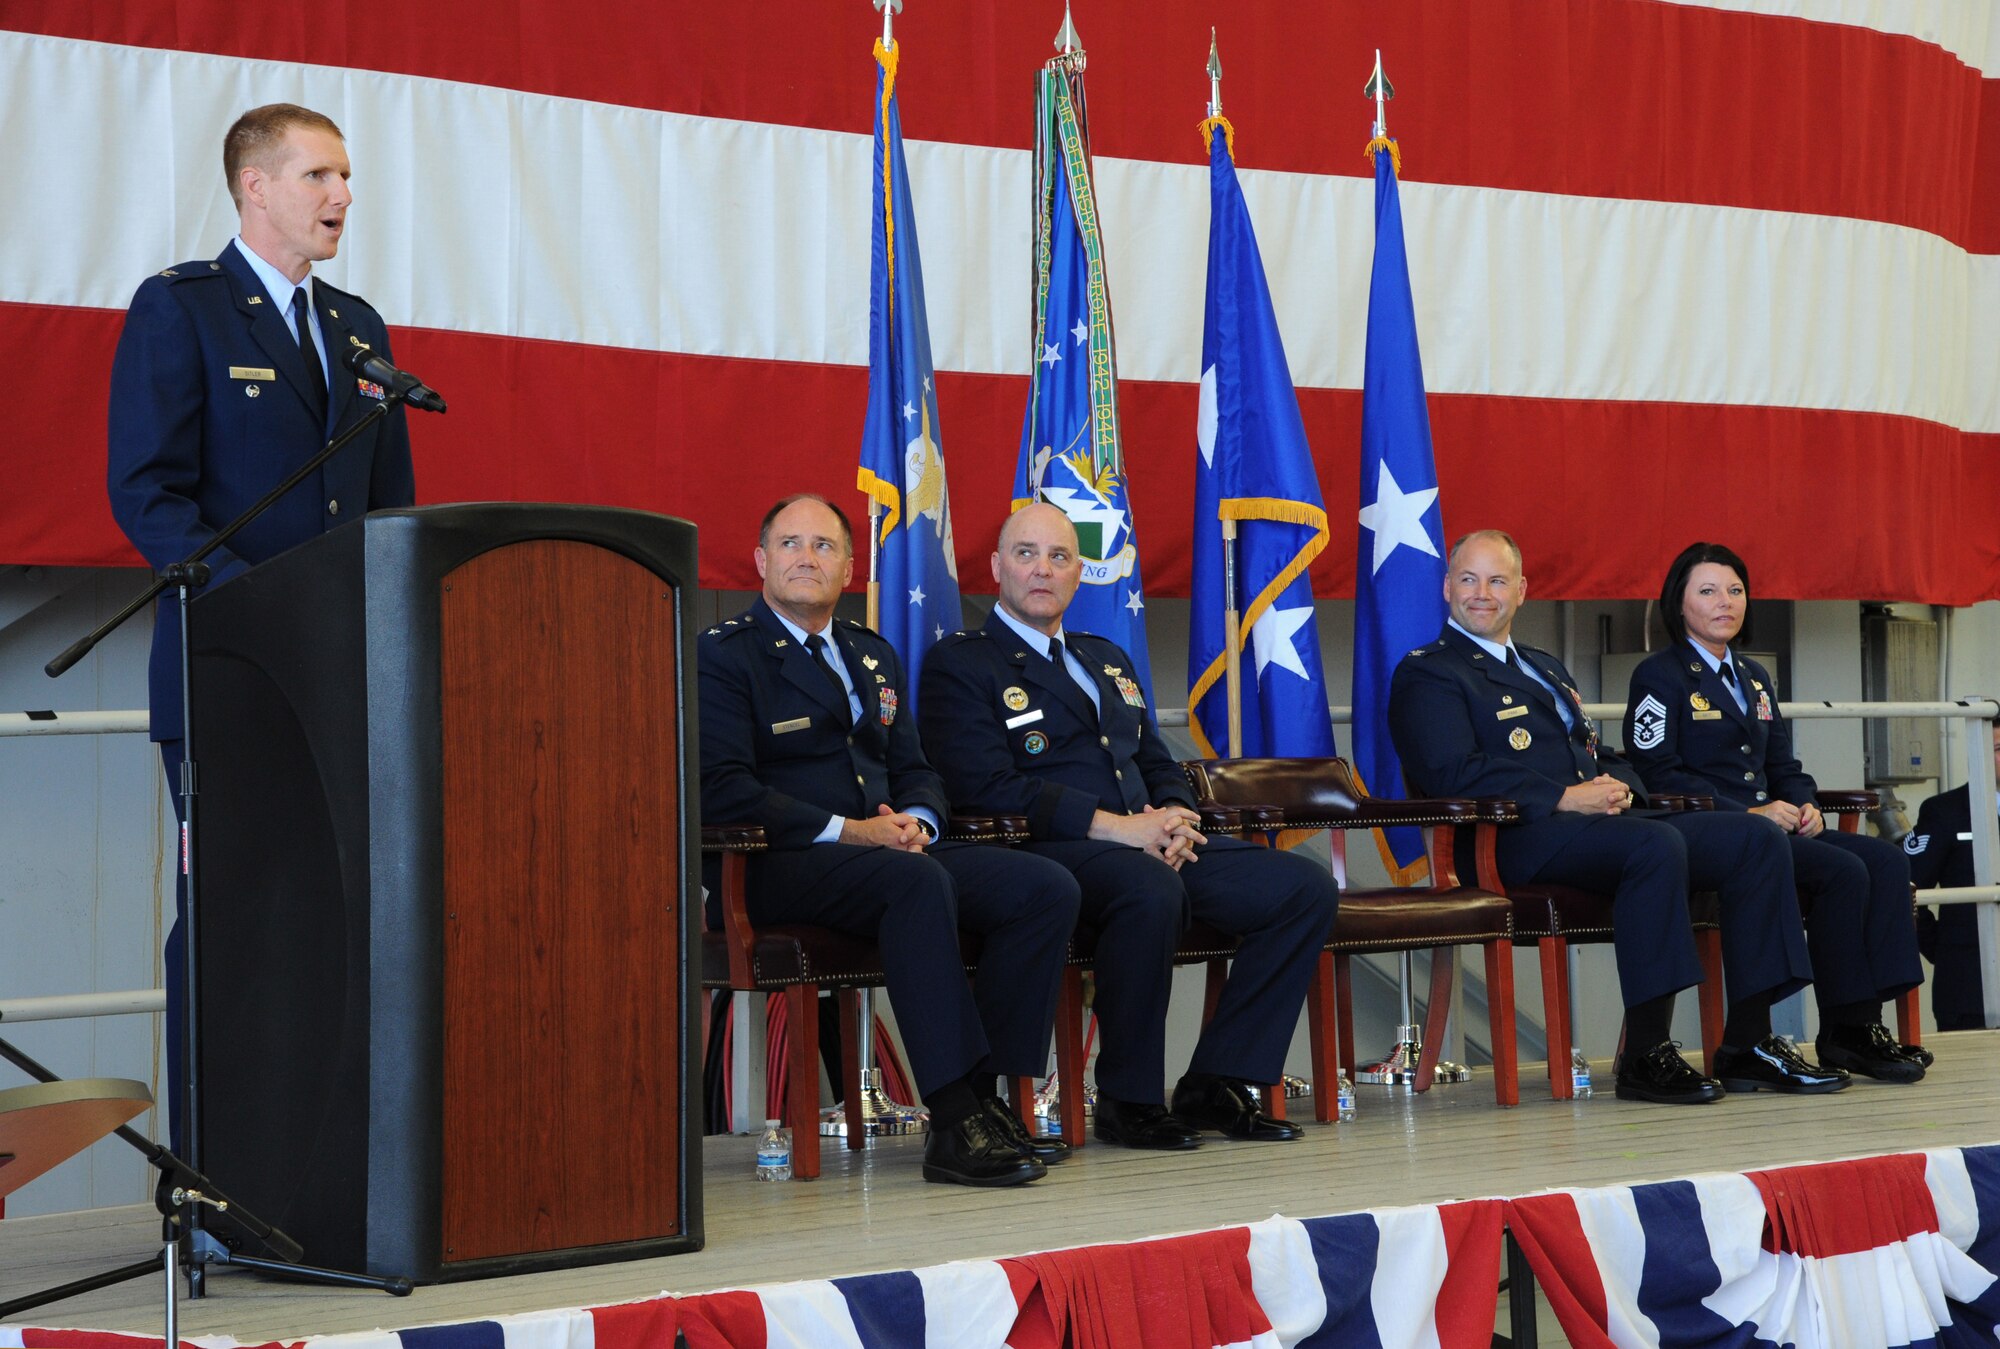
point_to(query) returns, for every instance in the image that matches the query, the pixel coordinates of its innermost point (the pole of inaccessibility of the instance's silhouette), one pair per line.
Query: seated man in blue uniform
(226, 379)
(1475, 714)
(802, 733)
(1027, 719)
(1940, 853)
(1703, 718)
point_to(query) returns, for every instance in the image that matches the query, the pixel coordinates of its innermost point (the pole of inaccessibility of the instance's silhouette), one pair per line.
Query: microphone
(363, 361)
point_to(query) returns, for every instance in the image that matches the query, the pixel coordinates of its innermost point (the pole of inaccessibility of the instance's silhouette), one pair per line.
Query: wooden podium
(449, 870)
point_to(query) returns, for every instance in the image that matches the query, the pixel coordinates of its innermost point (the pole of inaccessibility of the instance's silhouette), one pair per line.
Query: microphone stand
(187, 576)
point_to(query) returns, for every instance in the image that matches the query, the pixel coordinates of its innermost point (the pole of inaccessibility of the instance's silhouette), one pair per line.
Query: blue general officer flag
(1399, 570)
(902, 449)
(1254, 467)
(1070, 452)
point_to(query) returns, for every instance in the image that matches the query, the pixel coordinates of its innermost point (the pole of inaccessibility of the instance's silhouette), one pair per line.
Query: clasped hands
(1167, 832)
(888, 829)
(1602, 795)
(1805, 821)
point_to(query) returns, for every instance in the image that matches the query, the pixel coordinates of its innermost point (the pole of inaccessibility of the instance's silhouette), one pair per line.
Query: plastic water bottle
(1579, 1073)
(1344, 1098)
(774, 1152)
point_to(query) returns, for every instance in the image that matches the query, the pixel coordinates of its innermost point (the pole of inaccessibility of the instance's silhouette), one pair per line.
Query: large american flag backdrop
(1698, 269)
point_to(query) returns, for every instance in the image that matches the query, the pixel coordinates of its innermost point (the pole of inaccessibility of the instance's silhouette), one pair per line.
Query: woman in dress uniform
(1703, 719)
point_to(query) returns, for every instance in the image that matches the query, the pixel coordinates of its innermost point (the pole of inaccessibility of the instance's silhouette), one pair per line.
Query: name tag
(1966, 837)
(1025, 719)
(1710, 715)
(251, 372)
(795, 724)
(1507, 712)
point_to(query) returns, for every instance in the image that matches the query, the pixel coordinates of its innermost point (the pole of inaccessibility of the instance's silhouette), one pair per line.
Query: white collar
(1037, 640)
(276, 284)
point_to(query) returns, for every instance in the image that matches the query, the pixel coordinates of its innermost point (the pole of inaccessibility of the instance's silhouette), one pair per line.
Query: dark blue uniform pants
(912, 905)
(1855, 890)
(1278, 905)
(1649, 863)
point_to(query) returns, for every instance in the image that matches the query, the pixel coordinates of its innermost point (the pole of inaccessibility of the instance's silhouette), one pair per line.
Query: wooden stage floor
(872, 1211)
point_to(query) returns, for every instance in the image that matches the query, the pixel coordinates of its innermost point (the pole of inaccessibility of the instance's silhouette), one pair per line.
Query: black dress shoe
(975, 1152)
(1774, 1064)
(1869, 1051)
(1228, 1107)
(1660, 1074)
(1045, 1148)
(1916, 1054)
(1142, 1126)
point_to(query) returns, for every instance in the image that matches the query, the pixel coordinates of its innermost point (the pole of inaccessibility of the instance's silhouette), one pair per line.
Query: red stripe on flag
(1550, 1234)
(635, 1325)
(1600, 494)
(1654, 101)
(1840, 1208)
(723, 1321)
(1470, 1294)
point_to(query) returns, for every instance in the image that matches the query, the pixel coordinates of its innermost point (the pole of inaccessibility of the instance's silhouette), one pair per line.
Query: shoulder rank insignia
(170, 272)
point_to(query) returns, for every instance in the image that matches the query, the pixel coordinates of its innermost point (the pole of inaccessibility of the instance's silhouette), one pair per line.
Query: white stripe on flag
(1285, 1279)
(1951, 1194)
(361, 1339)
(967, 1305)
(1965, 28)
(10, 1338)
(810, 1314)
(1610, 1224)
(486, 210)
(1409, 1270)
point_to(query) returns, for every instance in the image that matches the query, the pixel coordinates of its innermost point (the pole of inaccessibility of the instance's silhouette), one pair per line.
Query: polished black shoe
(1916, 1054)
(1661, 1075)
(1044, 1148)
(1867, 1051)
(1230, 1108)
(1775, 1064)
(1142, 1126)
(975, 1152)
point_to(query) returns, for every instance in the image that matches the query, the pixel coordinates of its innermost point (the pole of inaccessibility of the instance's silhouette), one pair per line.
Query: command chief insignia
(1914, 843)
(1035, 742)
(1015, 697)
(1649, 723)
(1130, 691)
(1520, 739)
(1697, 702)
(888, 705)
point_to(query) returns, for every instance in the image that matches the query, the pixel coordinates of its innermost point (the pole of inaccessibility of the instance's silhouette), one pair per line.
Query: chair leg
(849, 1002)
(1555, 1014)
(1709, 945)
(1500, 1020)
(1022, 1091)
(1444, 973)
(1343, 983)
(1211, 995)
(802, 1109)
(1323, 1032)
(1909, 1018)
(1069, 1055)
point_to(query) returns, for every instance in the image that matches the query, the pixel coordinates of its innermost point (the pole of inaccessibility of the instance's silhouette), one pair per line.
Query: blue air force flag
(1399, 570)
(902, 443)
(1070, 452)
(1254, 467)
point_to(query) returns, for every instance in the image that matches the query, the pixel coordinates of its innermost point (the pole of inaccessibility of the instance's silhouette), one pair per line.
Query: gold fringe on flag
(1395, 155)
(888, 58)
(1207, 129)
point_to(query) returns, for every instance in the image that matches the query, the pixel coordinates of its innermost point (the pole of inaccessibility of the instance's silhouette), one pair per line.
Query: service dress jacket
(1684, 733)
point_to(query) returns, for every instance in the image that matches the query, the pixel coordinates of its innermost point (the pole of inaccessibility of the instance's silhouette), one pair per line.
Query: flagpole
(1232, 654)
(874, 557)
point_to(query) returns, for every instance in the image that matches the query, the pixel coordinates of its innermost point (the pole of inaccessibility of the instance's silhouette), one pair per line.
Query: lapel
(796, 664)
(865, 687)
(266, 320)
(1580, 729)
(340, 339)
(1499, 671)
(1709, 684)
(1036, 668)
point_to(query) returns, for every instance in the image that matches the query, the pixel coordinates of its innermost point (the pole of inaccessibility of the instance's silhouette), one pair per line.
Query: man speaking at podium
(228, 376)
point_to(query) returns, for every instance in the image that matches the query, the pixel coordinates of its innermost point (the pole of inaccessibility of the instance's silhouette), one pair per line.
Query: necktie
(315, 376)
(1728, 673)
(1512, 659)
(817, 645)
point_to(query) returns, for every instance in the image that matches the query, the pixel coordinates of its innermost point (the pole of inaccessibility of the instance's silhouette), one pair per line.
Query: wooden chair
(1314, 794)
(799, 961)
(1845, 808)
